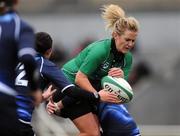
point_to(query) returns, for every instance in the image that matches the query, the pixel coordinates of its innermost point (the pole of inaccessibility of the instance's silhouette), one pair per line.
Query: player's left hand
(116, 72)
(48, 93)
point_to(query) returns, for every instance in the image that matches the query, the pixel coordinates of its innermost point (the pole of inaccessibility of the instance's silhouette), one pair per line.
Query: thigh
(76, 110)
(87, 124)
(115, 120)
(81, 114)
(9, 124)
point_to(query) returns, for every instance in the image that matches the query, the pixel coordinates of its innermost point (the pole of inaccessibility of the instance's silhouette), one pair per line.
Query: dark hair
(8, 3)
(43, 42)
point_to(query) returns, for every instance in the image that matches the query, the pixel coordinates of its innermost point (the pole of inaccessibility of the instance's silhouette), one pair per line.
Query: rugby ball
(118, 86)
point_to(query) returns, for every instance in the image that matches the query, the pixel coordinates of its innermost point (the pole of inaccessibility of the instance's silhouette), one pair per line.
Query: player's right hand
(106, 96)
(53, 107)
(50, 107)
(116, 72)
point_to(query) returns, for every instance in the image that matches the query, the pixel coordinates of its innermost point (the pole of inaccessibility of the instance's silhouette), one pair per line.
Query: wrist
(96, 95)
(60, 105)
(56, 107)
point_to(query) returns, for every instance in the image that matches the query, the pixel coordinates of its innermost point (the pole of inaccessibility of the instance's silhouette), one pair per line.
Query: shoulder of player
(102, 47)
(26, 26)
(23, 24)
(101, 43)
(44, 62)
(49, 63)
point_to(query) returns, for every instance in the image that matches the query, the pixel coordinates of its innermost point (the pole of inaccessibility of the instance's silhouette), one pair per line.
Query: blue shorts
(116, 121)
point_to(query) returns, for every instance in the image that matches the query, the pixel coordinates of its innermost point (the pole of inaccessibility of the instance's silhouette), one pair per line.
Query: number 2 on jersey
(22, 73)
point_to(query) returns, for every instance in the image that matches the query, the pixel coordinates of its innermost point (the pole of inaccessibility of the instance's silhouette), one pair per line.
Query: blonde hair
(117, 21)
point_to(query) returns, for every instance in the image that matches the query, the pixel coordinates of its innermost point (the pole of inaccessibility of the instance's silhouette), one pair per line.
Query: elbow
(80, 78)
(76, 81)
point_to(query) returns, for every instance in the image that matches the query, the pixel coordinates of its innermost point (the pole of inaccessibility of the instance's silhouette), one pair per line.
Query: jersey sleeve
(93, 59)
(127, 65)
(56, 76)
(51, 72)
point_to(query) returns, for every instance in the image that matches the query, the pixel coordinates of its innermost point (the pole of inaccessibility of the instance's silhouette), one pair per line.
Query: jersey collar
(117, 55)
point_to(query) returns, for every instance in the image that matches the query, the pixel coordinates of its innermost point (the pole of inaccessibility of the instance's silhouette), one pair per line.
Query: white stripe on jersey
(42, 62)
(7, 90)
(25, 122)
(17, 27)
(27, 50)
(66, 87)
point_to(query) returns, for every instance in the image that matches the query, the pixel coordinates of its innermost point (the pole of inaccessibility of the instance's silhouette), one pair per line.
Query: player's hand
(48, 93)
(116, 72)
(59, 106)
(53, 107)
(106, 96)
(37, 96)
(50, 107)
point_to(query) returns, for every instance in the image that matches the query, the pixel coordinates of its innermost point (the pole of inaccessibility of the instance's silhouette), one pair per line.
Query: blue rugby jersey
(49, 73)
(16, 40)
(115, 120)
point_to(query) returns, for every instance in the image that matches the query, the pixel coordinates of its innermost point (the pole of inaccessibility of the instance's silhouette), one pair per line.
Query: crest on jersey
(105, 65)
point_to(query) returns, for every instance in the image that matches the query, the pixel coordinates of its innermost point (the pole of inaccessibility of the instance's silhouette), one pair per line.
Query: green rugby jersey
(96, 60)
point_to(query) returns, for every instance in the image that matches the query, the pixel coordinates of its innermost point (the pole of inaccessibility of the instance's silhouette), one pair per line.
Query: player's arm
(51, 72)
(89, 65)
(77, 94)
(82, 80)
(56, 76)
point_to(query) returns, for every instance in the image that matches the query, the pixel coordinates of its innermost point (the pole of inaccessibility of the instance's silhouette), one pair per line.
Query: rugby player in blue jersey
(16, 44)
(50, 74)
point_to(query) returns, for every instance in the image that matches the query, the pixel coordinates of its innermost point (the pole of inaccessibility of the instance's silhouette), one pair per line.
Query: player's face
(126, 41)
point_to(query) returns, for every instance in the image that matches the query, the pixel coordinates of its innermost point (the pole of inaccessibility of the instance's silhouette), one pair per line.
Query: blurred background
(155, 78)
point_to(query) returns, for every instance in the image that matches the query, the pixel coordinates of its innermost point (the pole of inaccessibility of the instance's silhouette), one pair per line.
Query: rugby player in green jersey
(108, 57)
